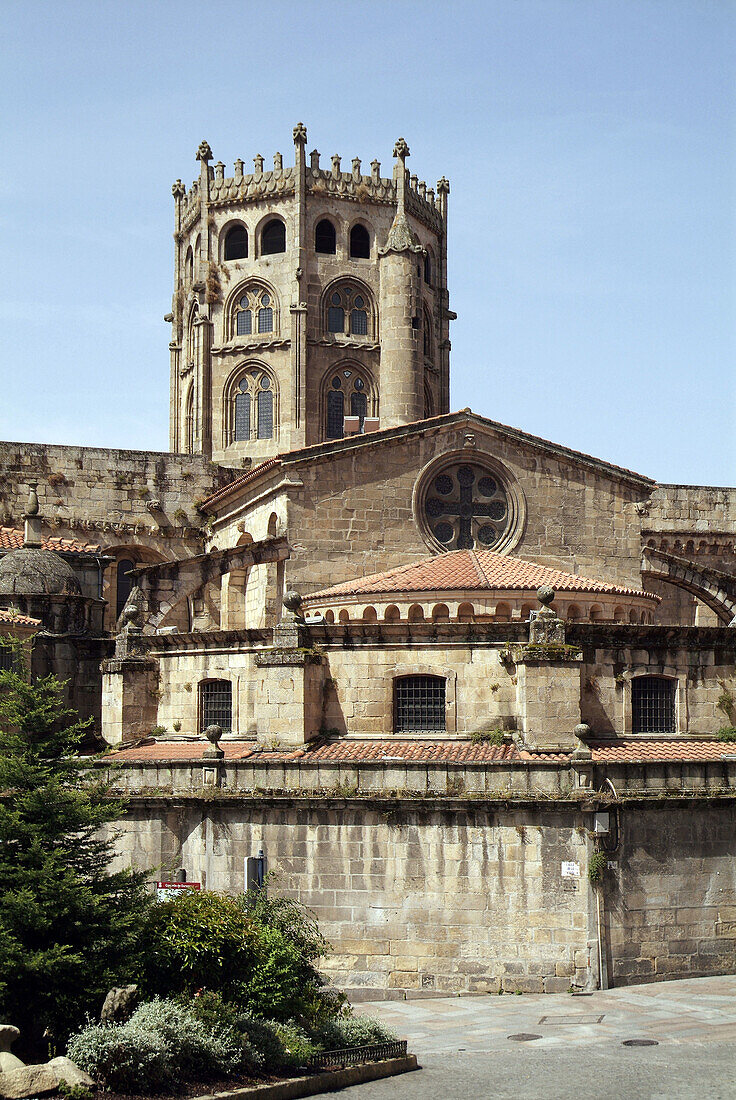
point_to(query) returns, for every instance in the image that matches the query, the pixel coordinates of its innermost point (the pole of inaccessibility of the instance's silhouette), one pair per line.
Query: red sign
(166, 891)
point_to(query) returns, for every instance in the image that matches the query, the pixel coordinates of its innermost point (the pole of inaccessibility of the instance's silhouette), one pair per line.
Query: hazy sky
(591, 155)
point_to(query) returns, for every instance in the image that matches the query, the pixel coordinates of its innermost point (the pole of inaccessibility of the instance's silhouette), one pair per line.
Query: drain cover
(640, 1043)
(524, 1037)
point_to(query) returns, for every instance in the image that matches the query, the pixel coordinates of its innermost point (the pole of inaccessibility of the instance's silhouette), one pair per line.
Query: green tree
(69, 925)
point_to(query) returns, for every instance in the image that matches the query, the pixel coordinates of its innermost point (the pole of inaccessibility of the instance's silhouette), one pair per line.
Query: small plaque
(570, 869)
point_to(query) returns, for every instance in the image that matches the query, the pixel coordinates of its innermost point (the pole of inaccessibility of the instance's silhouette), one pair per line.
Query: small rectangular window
(653, 705)
(359, 322)
(265, 319)
(336, 319)
(216, 705)
(419, 704)
(245, 322)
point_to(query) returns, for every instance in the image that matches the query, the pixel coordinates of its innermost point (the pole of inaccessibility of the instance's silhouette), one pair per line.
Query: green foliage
(68, 925)
(596, 867)
(296, 1045)
(276, 1044)
(257, 952)
(75, 1092)
(728, 733)
(726, 703)
(353, 1031)
(488, 737)
(162, 1042)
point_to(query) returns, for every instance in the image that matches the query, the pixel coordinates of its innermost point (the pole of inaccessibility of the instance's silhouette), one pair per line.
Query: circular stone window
(465, 504)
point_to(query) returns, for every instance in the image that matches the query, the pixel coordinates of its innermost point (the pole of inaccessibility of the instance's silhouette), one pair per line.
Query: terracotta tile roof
(471, 570)
(632, 751)
(385, 751)
(11, 538)
(242, 481)
(15, 618)
(389, 751)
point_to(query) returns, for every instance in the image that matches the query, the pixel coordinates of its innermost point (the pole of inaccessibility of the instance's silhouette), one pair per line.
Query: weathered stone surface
(120, 1003)
(69, 1071)
(28, 1081)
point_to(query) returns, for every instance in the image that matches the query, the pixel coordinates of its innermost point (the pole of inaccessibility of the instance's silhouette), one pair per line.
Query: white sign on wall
(570, 870)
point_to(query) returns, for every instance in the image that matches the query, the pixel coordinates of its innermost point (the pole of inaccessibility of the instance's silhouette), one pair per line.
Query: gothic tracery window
(348, 394)
(253, 414)
(348, 311)
(254, 312)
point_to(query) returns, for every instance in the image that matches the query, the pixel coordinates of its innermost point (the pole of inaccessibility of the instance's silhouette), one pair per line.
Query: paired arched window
(419, 704)
(236, 243)
(253, 412)
(325, 238)
(348, 394)
(653, 704)
(360, 243)
(216, 705)
(273, 238)
(254, 312)
(348, 311)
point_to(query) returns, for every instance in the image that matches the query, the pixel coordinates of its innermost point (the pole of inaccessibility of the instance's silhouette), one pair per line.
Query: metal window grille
(336, 319)
(216, 705)
(335, 414)
(265, 415)
(242, 416)
(653, 704)
(265, 319)
(419, 704)
(245, 322)
(359, 322)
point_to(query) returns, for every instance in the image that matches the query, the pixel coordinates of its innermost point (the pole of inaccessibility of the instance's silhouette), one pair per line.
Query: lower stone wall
(671, 893)
(411, 897)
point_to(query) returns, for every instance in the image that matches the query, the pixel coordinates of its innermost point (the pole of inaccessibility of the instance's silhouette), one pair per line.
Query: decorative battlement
(422, 202)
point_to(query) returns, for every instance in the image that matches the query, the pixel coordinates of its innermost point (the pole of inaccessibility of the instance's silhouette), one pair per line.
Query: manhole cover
(524, 1037)
(579, 1018)
(640, 1043)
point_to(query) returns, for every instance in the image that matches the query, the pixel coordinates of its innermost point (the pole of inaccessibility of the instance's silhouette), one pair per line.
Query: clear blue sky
(591, 154)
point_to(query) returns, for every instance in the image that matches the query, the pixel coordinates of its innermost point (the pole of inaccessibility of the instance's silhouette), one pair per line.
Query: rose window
(466, 507)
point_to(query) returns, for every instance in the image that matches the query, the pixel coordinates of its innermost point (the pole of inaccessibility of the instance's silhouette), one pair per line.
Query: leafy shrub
(353, 1031)
(197, 1048)
(297, 1047)
(258, 954)
(121, 1057)
(260, 1036)
(728, 733)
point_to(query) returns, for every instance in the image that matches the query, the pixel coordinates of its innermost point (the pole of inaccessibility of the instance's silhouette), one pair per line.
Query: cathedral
(469, 690)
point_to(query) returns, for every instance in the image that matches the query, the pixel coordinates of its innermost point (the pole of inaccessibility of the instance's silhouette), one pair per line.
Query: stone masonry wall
(411, 898)
(671, 896)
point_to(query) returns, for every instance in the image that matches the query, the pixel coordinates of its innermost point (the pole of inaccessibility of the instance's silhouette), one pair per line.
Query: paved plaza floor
(465, 1049)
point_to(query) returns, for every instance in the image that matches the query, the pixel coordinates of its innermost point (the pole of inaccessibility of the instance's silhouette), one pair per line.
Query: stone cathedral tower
(309, 303)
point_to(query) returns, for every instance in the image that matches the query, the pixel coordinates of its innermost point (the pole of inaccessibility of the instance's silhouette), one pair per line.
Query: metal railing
(354, 1056)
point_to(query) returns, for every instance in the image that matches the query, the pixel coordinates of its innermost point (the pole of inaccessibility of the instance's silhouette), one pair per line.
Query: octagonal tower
(310, 303)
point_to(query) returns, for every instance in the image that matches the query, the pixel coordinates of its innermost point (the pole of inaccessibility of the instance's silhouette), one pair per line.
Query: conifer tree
(69, 924)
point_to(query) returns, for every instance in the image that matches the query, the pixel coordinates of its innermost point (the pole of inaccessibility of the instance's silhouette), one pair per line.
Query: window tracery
(255, 312)
(465, 506)
(252, 407)
(349, 393)
(348, 311)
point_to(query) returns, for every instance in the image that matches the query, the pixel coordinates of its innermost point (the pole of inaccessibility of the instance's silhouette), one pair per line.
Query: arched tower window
(349, 311)
(273, 238)
(360, 243)
(325, 238)
(254, 312)
(189, 422)
(251, 407)
(428, 269)
(189, 265)
(236, 243)
(349, 392)
(427, 333)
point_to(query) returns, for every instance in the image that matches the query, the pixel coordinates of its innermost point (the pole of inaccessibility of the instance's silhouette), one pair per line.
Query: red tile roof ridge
(9, 615)
(435, 574)
(12, 538)
(242, 480)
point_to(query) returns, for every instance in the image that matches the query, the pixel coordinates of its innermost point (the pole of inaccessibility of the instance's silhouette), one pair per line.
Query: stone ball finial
(545, 595)
(213, 734)
(130, 614)
(292, 601)
(401, 149)
(300, 134)
(204, 152)
(583, 731)
(32, 506)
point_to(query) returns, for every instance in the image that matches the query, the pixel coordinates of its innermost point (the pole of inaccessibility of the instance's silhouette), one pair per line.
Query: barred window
(216, 705)
(653, 704)
(419, 704)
